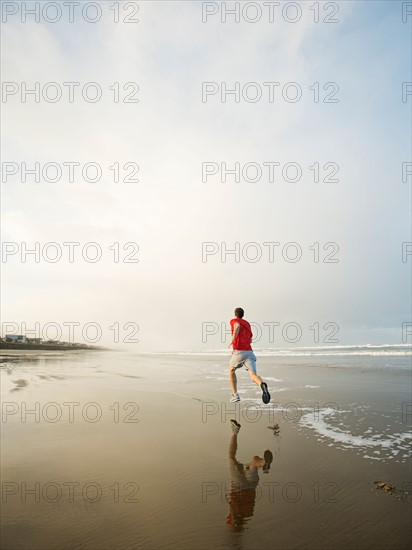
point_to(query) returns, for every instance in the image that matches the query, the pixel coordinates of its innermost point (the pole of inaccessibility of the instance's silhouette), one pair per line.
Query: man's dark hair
(239, 312)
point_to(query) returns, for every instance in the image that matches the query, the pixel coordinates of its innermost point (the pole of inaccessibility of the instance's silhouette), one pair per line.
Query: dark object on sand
(391, 489)
(275, 427)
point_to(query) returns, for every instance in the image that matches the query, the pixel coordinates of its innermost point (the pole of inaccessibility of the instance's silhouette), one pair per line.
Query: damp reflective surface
(118, 450)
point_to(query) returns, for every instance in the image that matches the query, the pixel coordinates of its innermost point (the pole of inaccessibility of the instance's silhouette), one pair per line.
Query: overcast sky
(172, 292)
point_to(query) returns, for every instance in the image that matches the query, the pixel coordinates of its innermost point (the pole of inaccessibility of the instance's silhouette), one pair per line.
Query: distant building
(34, 340)
(19, 338)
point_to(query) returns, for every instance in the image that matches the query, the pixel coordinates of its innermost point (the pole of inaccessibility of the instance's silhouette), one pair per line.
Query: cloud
(170, 132)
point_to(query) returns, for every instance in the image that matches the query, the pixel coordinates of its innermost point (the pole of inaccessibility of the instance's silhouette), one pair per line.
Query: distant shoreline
(51, 347)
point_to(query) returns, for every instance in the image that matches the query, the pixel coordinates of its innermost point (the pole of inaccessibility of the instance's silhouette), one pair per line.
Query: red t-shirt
(244, 337)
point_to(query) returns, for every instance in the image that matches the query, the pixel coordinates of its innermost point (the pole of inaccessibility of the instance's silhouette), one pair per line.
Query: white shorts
(243, 478)
(243, 358)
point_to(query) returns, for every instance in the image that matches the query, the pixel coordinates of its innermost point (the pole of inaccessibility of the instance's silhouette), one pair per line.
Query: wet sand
(128, 451)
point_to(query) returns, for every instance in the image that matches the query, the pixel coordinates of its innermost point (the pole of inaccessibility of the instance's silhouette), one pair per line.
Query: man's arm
(236, 329)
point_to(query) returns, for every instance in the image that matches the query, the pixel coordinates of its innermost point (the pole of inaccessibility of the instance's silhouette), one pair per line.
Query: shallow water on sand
(104, 450)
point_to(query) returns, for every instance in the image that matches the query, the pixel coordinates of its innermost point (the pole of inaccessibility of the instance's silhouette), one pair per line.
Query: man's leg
(251, 367)
(235, 362)
(233, 380)
(255, 377)
(233, 448)
(250, 364)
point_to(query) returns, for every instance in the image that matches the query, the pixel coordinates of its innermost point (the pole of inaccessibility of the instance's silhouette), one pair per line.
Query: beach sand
(127, 451)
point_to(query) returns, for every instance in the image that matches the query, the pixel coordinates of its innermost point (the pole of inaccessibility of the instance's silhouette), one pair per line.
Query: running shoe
(268, 456)
(235, 426)
(265, 393)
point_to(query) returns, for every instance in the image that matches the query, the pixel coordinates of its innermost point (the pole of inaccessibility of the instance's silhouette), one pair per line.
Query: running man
(242, 354)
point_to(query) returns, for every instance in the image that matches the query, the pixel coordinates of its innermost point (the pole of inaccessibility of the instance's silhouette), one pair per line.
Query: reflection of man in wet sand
(244, 481)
